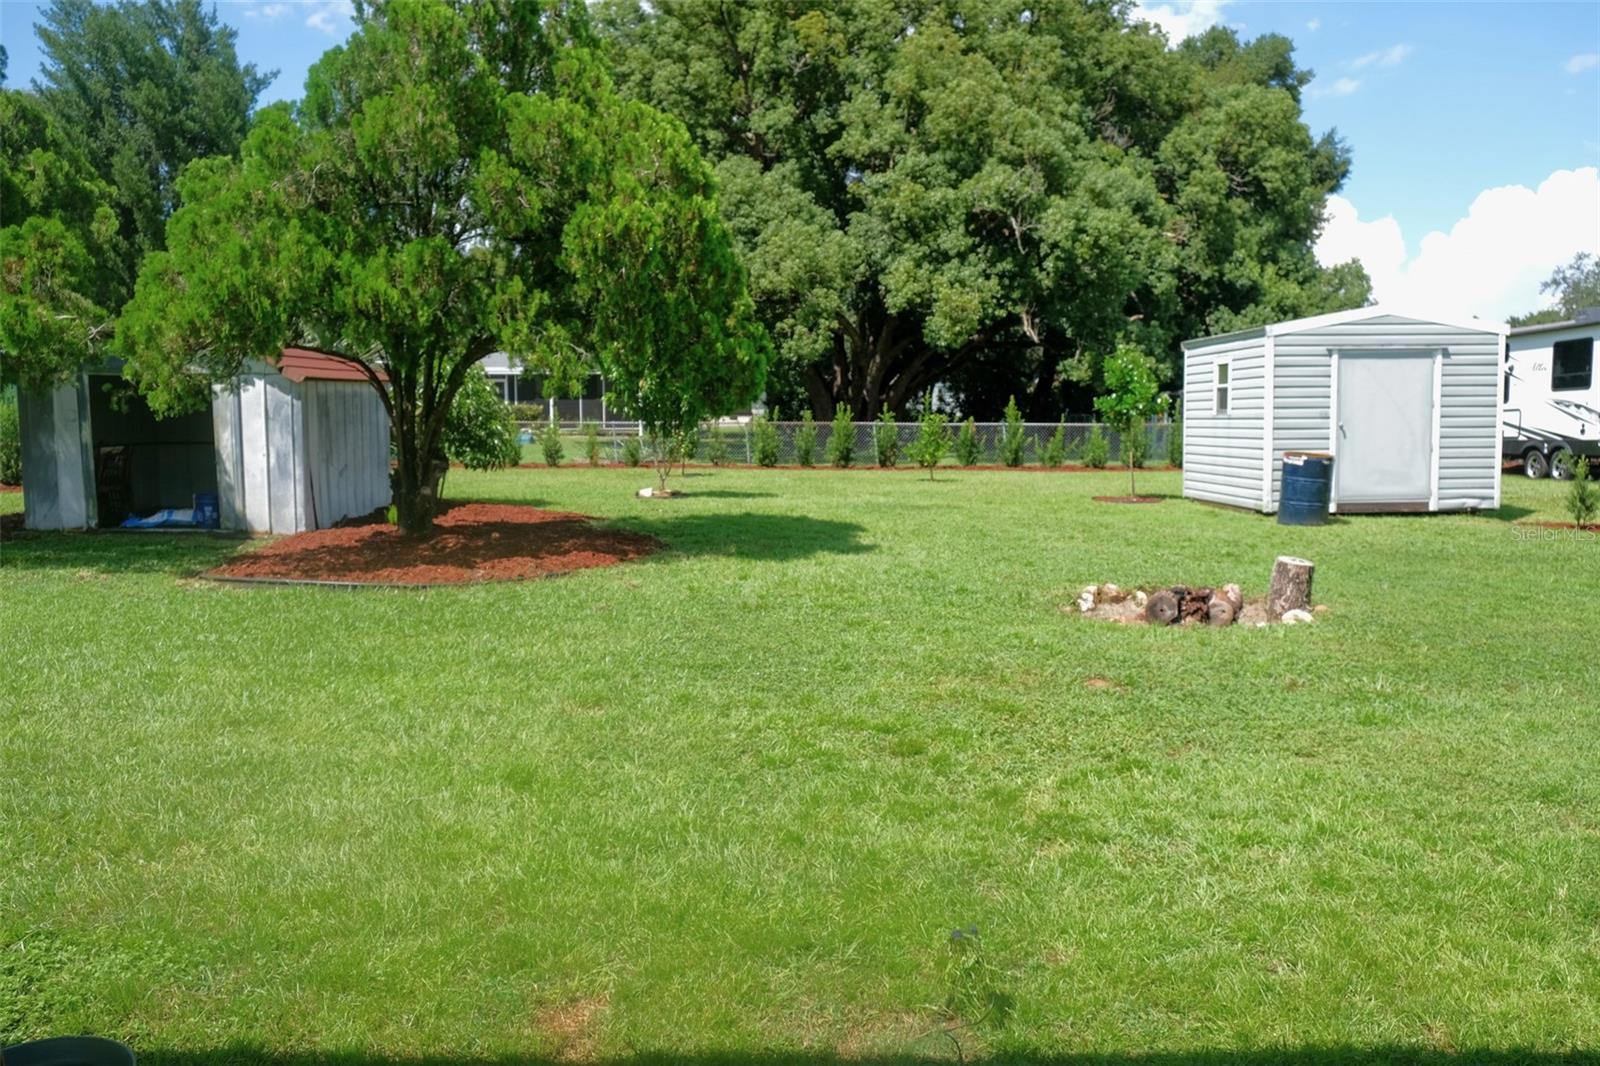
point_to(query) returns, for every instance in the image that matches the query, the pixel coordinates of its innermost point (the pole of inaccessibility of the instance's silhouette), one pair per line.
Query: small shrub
(550, 444)
(528, 412)
(1055, 449)
(764, 438)
(1013, 440)
(1583, 495)
(632, 450)
(886, 438)
(1175, 443)
(591, 443)
(805, 441)
(933, 438)
(716, 448)
(479, 432)
(842, 441)
(10, 440)
(1096, 450)
(968, 448)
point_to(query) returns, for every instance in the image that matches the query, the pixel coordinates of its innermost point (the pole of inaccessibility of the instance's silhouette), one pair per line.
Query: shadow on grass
(752, 536)
(725, 494)
(1289, 1056)
(180, 554)
(1506, 512)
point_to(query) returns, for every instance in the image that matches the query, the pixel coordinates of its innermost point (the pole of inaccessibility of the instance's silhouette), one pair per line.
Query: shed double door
(1383, 430)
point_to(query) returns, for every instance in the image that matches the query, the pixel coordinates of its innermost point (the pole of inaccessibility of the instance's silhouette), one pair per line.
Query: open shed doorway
(143, 463)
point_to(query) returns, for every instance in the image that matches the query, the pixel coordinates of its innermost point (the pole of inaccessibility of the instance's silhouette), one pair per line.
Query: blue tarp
(167, 516)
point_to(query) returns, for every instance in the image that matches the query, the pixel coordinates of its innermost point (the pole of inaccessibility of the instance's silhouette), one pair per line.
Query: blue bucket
(206, 515)
(1305, 489)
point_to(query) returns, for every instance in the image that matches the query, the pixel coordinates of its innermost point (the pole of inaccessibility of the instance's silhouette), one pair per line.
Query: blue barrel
(206, 515)
(1307, 484)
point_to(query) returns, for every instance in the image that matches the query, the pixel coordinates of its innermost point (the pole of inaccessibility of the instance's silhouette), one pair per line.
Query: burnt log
(1161, 609)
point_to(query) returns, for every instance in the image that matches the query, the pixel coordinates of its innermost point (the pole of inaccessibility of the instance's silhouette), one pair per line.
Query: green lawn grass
(727, 804)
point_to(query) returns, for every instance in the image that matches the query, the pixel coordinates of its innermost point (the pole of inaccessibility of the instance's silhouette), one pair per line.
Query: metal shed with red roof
(295, 444)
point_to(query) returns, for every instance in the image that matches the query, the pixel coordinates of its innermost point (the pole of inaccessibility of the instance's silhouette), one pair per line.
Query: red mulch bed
(10, 488)
(469, 542)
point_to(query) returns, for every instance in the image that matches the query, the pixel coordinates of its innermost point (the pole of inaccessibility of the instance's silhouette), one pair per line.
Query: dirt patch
(1127, 607)
(10, 488)
(1128, 499)
(469, 542)
(570, 1027)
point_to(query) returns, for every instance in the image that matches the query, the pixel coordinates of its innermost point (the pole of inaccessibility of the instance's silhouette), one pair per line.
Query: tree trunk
(1291, 586)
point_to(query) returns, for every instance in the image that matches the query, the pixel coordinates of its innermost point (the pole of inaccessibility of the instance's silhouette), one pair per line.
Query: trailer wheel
(1561, 463)
(1534, 464)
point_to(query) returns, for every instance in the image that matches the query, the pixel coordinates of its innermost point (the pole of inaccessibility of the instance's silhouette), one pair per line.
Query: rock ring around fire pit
(1219, 606)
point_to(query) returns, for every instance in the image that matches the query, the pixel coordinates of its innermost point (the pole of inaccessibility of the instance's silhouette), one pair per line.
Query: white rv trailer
(1552, 395)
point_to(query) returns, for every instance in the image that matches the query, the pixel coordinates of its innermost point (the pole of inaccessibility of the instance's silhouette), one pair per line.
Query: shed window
(1223, 386)
(1573, 365)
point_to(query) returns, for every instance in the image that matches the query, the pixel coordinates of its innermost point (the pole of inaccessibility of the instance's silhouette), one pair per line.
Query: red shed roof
(302, 364)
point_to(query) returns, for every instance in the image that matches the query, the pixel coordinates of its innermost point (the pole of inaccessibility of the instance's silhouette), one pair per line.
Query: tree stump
(1291, 586)
(1161, 609)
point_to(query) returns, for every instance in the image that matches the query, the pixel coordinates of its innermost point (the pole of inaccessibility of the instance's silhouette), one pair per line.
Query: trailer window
(1573, 365)
(1219, 397)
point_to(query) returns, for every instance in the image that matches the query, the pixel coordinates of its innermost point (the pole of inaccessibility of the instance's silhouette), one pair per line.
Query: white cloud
(331, 17)
(1491, 262)
(1582, 62)
(1182, 18)
(1337, 87)
(266, 11)
(1384, 57)
(1314, 25)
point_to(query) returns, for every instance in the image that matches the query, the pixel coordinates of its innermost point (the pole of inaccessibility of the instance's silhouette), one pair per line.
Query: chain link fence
(734, 442)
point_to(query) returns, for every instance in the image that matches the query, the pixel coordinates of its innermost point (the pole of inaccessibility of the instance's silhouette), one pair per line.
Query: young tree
(145, 87)
(933, 437)
(1583, 496)
(1132, 396)
(764, 439)
(886, 439)
(459, 180)
(1013, 437)
(969, 449)
(842, 438)
(805, 439)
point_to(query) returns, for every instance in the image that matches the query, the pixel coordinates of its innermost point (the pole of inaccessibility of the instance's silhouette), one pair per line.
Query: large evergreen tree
(921, 184)
(441, 193)
(144, 87)
(57, 291)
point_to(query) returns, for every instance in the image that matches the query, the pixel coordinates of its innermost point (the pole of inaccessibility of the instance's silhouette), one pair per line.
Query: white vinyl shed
(1407, 405)
(291, 446)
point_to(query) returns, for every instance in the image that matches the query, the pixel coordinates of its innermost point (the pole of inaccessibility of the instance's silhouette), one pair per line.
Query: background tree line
(990, 193)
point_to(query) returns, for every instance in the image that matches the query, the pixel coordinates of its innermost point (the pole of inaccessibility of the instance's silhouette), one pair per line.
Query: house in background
(286, 447)
(1408, 406)
(1552, 396)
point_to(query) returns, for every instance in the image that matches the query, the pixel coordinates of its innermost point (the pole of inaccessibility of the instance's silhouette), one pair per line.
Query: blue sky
(1475, 127)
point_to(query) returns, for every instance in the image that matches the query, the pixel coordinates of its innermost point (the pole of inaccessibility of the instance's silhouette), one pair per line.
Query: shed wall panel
(347, 433)
(1222, 453)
